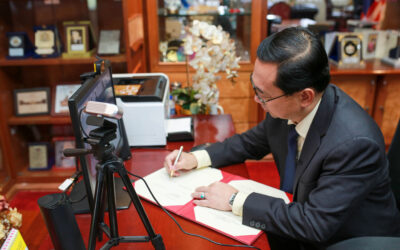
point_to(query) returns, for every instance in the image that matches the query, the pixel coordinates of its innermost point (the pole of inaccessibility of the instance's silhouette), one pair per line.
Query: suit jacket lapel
(317, 130)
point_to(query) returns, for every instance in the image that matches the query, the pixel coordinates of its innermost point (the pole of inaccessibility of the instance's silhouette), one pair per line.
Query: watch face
(350, 48)
(15, 41)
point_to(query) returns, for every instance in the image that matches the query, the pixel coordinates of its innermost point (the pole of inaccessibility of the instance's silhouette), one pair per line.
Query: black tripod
(109, 163)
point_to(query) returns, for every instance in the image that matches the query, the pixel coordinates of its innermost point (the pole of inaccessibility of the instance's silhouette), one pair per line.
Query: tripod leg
(155, 238)
(94, 226)
(112, 214)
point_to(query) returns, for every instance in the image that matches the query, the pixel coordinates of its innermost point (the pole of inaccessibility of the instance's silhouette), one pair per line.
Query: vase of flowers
(209, 50)
(9, 218)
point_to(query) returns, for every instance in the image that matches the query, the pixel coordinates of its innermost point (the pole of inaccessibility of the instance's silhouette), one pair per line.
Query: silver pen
(176, 160)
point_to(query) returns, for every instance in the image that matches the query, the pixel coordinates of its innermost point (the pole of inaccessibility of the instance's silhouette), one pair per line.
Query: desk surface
(146, 160)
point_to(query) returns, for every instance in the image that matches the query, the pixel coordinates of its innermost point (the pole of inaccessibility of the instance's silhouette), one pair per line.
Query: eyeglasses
(263, 101)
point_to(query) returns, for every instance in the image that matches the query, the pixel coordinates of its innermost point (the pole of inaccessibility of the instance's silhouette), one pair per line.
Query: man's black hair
(301, 59)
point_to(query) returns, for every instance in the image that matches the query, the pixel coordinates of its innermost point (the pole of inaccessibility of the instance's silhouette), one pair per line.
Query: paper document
(179, 125)
(175, 195)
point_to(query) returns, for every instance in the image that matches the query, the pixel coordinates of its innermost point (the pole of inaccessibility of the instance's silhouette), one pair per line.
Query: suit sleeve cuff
(203, 158)
(237, 207)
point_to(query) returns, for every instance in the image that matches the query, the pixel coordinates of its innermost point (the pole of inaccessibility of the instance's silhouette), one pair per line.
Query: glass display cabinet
(167, 21)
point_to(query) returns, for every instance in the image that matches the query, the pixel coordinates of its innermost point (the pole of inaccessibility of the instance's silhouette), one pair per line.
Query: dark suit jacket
(341, 187)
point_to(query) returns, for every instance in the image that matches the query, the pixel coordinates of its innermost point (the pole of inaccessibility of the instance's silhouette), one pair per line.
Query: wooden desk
(146, 160)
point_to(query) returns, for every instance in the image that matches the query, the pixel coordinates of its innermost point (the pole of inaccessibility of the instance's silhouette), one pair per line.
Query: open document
(175, 195)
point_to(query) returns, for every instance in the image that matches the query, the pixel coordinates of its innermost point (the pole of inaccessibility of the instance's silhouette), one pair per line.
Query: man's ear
(307, 97)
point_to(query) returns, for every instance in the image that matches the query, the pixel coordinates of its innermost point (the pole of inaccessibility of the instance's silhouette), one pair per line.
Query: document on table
(175, 195)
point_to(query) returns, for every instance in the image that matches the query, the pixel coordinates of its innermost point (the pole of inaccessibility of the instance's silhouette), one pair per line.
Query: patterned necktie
(290, 165)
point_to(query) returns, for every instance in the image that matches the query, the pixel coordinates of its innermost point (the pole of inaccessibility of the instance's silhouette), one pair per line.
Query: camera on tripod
(99, 138)
(99, 131)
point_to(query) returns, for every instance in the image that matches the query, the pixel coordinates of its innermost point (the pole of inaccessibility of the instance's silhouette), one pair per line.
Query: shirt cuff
(203, 158)
(238, 202)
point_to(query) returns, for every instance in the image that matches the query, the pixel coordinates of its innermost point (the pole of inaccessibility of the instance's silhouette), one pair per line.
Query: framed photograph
(79, 39)
(61, 143)
(61, 94)
(370, 42)
(38, 156)
(32, 101)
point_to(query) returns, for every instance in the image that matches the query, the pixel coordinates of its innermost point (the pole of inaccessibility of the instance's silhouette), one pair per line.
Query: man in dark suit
(329, 152)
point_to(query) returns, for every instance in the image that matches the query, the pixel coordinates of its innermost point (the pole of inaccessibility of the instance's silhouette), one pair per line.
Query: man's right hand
(185, 163)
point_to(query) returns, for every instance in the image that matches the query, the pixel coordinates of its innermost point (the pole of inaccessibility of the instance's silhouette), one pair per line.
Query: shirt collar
(304, 125)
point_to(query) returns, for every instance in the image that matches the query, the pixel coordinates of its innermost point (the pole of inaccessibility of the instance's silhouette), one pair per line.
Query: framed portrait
(61, 143)
(38, 156)
(61, 94)
(79, 39)
(32, 101)
(370, 41)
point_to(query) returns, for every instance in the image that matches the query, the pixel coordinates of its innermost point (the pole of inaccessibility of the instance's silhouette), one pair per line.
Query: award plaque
(32, 101)
(47, 42)
(79, 40)
(19, 45)
(38, 156)
(109, 42)
(350, 50)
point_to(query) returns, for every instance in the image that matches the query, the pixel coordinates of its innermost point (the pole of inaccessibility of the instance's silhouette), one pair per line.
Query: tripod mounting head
(100, 137)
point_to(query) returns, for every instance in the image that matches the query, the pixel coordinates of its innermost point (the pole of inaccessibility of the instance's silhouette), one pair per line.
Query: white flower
(212, 51)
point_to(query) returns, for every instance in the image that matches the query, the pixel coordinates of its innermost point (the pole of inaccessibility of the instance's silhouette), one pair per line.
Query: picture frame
(109, 42)
(61, 94)
(370, 44)
(34, 101)
(39, 156)
(47, 41)
(80, 41)
(61, 161)
(19, 45)
(350, 48)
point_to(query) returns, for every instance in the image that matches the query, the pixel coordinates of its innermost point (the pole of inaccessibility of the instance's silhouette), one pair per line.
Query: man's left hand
(215, 195)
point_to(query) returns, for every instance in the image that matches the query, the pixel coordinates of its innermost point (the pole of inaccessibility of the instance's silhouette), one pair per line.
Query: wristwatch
(232, 199)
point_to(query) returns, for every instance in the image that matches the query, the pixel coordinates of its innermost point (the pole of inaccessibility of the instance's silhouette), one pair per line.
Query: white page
(179, 125)
(176, 190)
(171, 191)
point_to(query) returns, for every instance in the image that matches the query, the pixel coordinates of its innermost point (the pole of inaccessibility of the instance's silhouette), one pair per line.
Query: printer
(145, 111)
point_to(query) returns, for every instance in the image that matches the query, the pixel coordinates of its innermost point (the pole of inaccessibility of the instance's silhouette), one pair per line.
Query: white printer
(145, 113)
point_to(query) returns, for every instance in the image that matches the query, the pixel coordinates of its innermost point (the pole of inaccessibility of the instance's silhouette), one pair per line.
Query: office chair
(281, 9)
(369, 242)
(394, 164)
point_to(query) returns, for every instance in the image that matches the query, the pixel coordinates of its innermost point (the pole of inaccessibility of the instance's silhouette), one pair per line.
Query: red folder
(166, 189)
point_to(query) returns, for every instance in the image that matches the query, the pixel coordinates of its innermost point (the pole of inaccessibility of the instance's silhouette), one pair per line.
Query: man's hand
(186, 162)
(216, 195)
